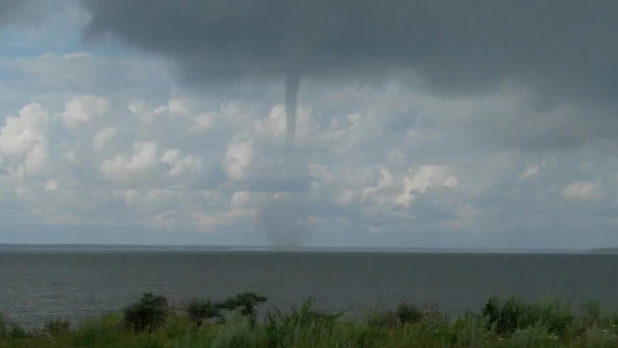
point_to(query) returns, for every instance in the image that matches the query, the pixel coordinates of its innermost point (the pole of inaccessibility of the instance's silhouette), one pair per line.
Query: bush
(504, 317)
(199, 310)
(280, 327)
(11, 330)
(407, 313)
(511, 315)
(146, 314)
(57, 326)
(381, 319)
(243, 303)
(591, 313)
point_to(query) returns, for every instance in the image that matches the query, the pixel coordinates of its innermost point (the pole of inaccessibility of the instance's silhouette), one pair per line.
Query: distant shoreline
(224, 248)
(604, 251)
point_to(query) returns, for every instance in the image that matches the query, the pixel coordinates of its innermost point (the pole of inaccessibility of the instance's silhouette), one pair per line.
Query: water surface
(36, 285)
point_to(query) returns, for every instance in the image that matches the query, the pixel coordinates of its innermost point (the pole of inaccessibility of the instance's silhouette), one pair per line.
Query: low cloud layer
(210, 171)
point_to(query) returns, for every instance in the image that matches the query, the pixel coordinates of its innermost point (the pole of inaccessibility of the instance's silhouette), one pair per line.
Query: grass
(151, 322)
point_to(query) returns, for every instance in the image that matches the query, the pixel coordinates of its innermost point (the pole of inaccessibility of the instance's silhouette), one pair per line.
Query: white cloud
(51, 185)
(36, 160)
(23, 143)
(83, 109)
(203, 122)
(273, 127)
(427, 177)
(103, 137)
(123, 168)
(137, 107)
(175, 106)
(582, 191)
(465, 218)
(209, 222)
(238, 157)
(180, 165)
(400, 188)
(70, 156)
(77, 55)
(21, 134)
(531, 171)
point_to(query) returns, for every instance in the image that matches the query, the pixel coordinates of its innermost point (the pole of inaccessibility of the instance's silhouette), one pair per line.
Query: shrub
(3, 326)
(280, 328)
(146, 314)
(407, 313)
(199, 310)
(11, 330)
(501, 318)
(432, 312)
(511, 315)
(382, 319)
(57, 326)
(243, 303)
(591, 313)
(552, 314)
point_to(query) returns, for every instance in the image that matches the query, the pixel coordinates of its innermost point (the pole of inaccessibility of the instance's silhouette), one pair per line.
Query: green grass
(151, 322)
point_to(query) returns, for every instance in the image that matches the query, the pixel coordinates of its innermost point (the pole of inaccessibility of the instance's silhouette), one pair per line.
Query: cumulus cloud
(238, 157)
(427, 177)
(123, 168)
(179, 164)
(23, 142)
(83, 109)
(103, 137)
(163, 175)
(582, 191)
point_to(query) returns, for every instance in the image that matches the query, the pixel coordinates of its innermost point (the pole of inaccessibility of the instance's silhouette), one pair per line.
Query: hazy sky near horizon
(421, 124)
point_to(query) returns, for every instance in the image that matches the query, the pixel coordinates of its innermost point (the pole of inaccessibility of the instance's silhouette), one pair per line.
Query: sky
(479, 124)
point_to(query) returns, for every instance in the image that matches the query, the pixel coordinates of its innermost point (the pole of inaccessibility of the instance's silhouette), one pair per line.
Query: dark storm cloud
(28, 12)
(565, 48)
(8, 9)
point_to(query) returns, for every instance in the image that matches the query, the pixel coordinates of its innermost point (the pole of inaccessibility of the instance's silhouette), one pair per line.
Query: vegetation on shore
(153, 322)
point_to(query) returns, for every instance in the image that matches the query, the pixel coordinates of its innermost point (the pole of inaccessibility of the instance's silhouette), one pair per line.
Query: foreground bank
(153, 322)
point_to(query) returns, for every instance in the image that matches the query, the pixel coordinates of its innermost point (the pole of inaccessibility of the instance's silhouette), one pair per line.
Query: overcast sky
(420, 124)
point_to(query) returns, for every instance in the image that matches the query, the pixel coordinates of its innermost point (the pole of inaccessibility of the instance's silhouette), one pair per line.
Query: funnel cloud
(292, 86)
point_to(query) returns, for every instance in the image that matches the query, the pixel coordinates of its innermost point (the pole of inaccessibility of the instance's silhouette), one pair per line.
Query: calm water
(39, 285)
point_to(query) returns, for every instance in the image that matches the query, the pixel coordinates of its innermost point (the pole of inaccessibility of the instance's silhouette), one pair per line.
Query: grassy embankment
(152, 322)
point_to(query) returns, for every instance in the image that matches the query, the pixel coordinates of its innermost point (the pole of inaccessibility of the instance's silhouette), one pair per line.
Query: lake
(37, 285)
